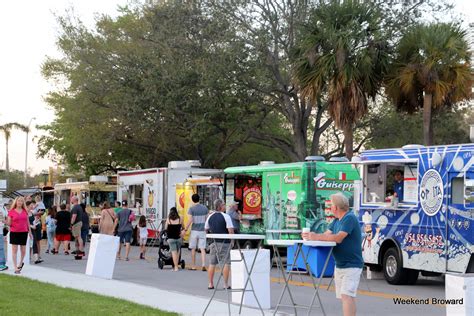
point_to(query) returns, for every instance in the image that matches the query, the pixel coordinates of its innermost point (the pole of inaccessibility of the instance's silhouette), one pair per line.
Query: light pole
(26, 151)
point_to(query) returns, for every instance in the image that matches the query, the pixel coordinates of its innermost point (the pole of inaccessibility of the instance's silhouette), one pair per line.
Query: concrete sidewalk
(145, 295)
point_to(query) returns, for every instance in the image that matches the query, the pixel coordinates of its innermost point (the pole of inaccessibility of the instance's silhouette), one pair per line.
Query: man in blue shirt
(398, 184)
(345, 231)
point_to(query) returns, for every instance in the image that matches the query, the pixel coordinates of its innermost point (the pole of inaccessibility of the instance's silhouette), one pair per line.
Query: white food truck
(152, 192)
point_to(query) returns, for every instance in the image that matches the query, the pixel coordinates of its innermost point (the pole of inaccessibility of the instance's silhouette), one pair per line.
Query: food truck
(282, 199)
(209, 189)
(92, 193)
(152, 192)
(428, 225)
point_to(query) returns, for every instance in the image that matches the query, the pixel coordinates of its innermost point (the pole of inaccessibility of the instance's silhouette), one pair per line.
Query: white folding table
(316, 285)
(231, 238)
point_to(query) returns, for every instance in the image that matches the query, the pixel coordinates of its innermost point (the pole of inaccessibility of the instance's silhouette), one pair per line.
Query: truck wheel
(393, 267)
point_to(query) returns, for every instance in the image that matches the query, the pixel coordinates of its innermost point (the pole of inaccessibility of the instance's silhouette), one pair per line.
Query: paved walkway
(165, 300)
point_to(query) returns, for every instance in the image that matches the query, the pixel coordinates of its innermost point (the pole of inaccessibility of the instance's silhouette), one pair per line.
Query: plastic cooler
(316, 257)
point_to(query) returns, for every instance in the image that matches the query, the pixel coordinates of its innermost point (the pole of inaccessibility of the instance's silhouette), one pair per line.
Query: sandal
(21, 266)
(193, 269)
(17, 271)
(210, 288)
(66, 253)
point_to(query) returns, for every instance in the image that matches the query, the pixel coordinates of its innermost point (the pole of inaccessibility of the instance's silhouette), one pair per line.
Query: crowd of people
(23, 220)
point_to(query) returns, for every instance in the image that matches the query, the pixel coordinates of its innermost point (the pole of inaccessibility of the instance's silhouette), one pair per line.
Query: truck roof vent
(266, 163)
(71, 180)
(338, 159)
(413, 146)
(184, 164)
(104, 179)
(315, 158)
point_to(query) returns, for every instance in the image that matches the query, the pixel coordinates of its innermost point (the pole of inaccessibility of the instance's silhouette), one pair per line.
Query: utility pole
(26, 151)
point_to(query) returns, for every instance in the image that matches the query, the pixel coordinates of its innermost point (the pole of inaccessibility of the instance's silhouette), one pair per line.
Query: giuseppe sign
(431, 192)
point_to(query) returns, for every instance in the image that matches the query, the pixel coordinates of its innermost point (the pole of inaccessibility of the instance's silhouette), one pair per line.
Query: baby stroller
(164, 253)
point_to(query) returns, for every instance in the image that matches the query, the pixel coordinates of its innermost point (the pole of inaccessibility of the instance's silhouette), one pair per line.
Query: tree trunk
(348, 141)
(427, 123)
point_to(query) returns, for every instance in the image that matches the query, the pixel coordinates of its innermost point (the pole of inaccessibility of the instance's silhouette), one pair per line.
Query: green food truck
(278, 200)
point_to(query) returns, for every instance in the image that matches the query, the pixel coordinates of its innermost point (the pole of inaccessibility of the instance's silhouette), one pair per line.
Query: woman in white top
(143, 231)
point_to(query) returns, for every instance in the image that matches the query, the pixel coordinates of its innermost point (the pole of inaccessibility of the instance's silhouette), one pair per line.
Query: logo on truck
(322, 183)
(431, 192)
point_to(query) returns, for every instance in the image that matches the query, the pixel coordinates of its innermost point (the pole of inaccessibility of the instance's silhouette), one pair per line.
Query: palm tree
(431, 69)
(343, 57)
(6, 129)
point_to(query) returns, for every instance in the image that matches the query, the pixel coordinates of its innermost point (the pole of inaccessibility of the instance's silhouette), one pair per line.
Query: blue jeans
(50, 233)
(2, 252)
(84, 234)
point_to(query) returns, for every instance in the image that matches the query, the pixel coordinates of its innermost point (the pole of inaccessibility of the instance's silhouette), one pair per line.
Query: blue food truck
(416, 208)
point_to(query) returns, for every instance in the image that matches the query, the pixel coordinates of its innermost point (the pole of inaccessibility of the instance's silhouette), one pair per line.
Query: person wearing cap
(234, 212)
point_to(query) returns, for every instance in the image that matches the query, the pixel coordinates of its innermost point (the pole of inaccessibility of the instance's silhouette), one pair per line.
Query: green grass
(21, 296)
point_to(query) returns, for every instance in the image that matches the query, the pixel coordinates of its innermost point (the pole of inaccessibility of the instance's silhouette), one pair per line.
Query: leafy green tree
(344, 55)
(431, 70)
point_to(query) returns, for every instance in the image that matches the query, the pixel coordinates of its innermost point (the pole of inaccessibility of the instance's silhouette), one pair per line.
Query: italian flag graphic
(342, 176)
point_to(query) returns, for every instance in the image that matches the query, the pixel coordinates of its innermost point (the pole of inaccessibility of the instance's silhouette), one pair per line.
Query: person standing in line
(345, 231)
(219, 222)
(35, 228)
(85, 225)
(175, 231)
(124, 221)
(107, 220)
(63, 231)
(118, 207)
(76, 225)
(3, 219)
(51, 227)
(235, 215)
(143, 232)
(19, 229)
(197, 218)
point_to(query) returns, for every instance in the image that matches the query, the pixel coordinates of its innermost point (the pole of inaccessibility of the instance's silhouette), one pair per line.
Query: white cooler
(460, 286)
(10, 256)
(260, 277)
(102, 255)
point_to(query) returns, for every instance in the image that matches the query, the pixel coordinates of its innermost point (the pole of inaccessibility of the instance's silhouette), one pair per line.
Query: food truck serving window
(385, 181)
(469, 190)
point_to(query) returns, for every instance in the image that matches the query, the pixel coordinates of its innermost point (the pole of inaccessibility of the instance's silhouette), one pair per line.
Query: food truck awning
(375, 161)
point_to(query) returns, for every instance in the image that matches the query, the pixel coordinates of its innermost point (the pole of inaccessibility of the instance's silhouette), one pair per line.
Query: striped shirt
(199, 213)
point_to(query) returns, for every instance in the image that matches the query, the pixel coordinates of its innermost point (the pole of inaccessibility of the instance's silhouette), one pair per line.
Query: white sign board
(410, 184)
(102, 256)
(3, 185)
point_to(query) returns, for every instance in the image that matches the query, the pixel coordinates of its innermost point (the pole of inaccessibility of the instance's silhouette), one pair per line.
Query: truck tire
(393, 269)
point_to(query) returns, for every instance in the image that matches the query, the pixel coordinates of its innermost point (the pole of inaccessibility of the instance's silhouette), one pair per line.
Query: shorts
(76, 230)
(197, 238)
(63, 237)
(125, 237)
(175, 244)
(36, 234)
(143, 241)
(220, 252)
(84, 234)
(347, 281)
(18, 238)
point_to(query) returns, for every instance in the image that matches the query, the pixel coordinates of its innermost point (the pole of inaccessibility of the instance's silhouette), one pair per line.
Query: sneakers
(3, 267)
(38, 261)
(47, 251)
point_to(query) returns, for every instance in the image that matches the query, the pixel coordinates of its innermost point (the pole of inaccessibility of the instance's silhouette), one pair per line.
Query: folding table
(316, 285)
(231, 238)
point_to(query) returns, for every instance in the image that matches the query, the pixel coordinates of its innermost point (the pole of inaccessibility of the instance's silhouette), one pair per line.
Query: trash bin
(102, 255)
(316, 257)
(459, 287)
(260, 277)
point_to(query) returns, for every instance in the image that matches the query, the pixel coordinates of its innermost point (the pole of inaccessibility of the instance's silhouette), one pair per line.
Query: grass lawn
(21, 296)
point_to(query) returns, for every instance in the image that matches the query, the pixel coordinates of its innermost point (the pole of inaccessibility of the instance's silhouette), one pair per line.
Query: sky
(28, 32)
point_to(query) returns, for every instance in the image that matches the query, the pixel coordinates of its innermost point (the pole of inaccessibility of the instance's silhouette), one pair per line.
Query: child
(51, 227)
(143, 235)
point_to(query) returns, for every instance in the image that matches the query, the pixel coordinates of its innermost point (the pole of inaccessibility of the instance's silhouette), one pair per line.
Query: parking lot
(375, 297)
